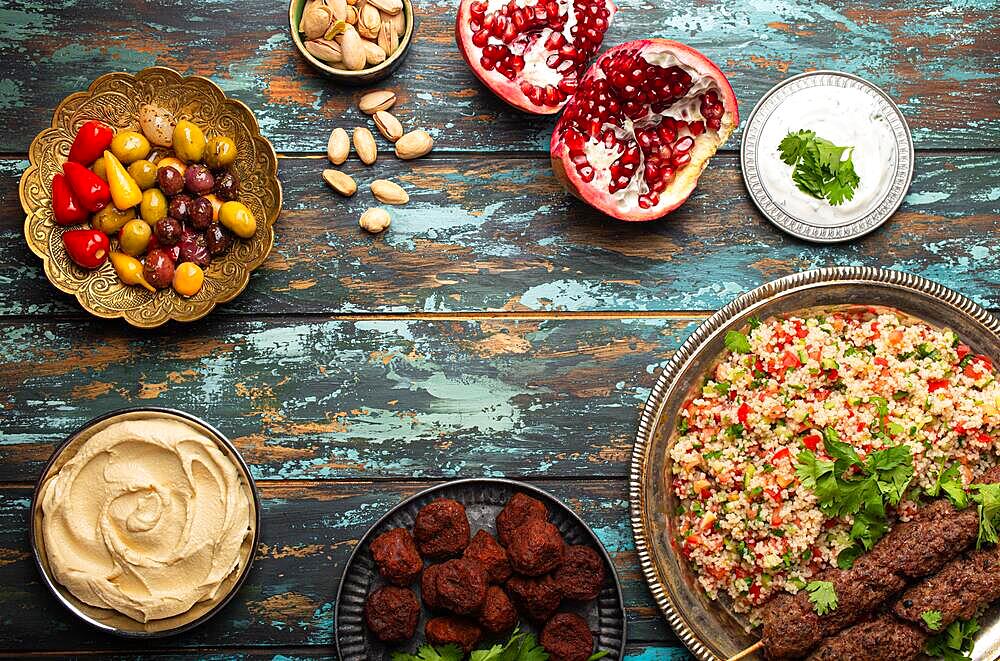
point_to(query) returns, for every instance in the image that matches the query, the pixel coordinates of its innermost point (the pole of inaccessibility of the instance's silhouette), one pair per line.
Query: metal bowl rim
(695, 343)
(482, 481)
(50, 582)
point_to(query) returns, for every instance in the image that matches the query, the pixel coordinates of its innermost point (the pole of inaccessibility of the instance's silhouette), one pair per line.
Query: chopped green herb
(950, 483)
(925, 351)
(682, 426)
(734, 431)
(954, 643)
(821, 169)
(932, 619)
(737, 342)
(988, 498)
(754, 323)
(430, 653)
(823, 596)
(722, 388)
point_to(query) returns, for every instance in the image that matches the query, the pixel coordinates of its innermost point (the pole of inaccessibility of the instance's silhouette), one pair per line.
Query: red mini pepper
(65, 208)
(90, 190)
(88, 248)
(90, 142)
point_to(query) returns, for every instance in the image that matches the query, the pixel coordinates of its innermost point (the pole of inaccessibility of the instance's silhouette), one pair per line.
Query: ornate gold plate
(115, 99)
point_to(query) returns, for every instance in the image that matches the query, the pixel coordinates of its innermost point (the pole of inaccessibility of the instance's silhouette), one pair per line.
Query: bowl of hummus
(145, 522)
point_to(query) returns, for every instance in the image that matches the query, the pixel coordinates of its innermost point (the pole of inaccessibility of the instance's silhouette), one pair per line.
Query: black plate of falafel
(467, 563)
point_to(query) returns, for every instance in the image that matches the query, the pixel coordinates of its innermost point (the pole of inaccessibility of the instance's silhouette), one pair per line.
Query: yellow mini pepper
(125, 193)
(129, 269)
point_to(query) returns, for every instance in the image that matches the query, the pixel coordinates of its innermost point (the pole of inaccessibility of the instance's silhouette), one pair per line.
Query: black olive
(907, 603)
(180, 207)
(227, 186)
(168, 231)
(170, 180)
(200, 213)
(217, 239)
(198, 179)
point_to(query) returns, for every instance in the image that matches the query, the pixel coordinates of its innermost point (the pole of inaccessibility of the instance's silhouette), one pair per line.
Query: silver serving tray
(710, 629)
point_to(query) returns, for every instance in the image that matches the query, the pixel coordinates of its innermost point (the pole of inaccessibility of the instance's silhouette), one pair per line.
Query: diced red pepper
(936, 384)
(833, 375)
(743, 412)
(789, 359)
(783, 453)
(811, 441)
(705, 494)
(879, 360)
(963, 350)
(775, 494)
(754, 593)
(978, 367)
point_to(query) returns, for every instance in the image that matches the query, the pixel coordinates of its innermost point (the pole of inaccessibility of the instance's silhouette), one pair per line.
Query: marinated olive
(172, 162)
(237, 219)
(98, 169)
(180, 207)
(227, 186)
(188, 279)
(198, 179)
(194, 248)
(129, 146)
(216, 205)
(144, 173)
(217, 239)
(134, 237)
(170, 180)
(189, 141)
(109, 219)
(200, 213)
(153, 206)
(220, 152)
(174, 251)
(168, 231)
(158, 269)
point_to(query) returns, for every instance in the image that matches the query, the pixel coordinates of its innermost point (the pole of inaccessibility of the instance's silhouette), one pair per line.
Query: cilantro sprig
(949, 483)
(932, 619)
(987, 497)
(954, 643)
(522, 646)
(431, 653)
(823, 596)
(819, 167)
(847, 486)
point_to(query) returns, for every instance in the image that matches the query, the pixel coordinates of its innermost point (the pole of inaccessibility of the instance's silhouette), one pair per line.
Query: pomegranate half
(531, 53)
(639, 131)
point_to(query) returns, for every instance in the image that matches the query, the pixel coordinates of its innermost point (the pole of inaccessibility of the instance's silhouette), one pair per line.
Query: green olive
(189, 142)
(134, 237)
(144, 173)
(235, 217)
(220, 152)
(98, 169)
(109, 219)
(129, 146)
(153, 206)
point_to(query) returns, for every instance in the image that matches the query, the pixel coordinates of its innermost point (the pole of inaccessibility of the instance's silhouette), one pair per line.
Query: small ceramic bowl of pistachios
(353, 41)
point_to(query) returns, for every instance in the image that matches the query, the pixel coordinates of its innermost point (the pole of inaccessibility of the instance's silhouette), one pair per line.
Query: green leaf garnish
(932, 619)
(820, 168)
(737, 342)
(823, 596)
(954, 643)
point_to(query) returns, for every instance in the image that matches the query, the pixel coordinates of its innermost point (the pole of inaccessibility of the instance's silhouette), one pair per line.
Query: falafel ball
(497, 614)
(518, 510)
(391, 613)
(485, 550)
(460, 586)
(537, 548)
(567, 637)
(396, 556)
(538, 598)
(451, 630)
(581, 575)
(428, 587)
(441, 528)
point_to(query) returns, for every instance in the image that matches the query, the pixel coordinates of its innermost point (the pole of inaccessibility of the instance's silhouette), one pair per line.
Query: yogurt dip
(148, 518)
(847, 117)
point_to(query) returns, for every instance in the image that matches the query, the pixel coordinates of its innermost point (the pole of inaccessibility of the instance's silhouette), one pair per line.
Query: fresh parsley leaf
(737, 342)
(820, 168)
(932, 619)
(722, 388)
(950, 484)
(823, 596)
(430, 653)
(846, 558)
(754, 323)
(522, 646)
(955, 642)
(735, 431)
(987, 496)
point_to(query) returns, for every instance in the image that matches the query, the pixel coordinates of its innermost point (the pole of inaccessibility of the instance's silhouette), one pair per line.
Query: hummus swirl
(147, 518)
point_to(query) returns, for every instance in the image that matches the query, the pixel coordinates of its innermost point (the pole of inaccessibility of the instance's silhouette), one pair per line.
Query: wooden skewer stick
(748, 651)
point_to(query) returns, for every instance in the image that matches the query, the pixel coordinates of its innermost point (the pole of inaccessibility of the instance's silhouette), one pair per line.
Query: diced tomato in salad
(790, 360)
(937, 384)
(743, 413)
(811, 441)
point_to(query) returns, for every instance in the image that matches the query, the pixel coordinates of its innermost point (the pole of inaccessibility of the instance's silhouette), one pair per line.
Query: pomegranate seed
(586, 173)
(714, 124)
(696, 128)
(683, 145)
(680, 160)
(481, 38)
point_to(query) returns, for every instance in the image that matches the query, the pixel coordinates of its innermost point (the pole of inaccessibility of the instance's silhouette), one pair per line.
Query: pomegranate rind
(506, 89)
(686, 180)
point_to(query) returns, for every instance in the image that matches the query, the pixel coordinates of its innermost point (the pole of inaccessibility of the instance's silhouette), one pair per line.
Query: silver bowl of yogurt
(848, 111)
(145, 522)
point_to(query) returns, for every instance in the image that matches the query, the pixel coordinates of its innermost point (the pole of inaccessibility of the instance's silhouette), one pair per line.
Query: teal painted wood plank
(345, 400)
(936, 58)
(482, 235)
(288, 599)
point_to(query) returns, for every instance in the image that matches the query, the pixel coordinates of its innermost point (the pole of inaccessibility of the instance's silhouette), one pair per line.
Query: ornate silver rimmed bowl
(711, 629)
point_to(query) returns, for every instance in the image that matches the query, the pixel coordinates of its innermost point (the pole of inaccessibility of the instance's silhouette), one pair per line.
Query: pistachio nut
(388, 40)
(353, 49)
(369, 22)
(337, 27)
(338, 146)
(388, 6)
(338, 8)
(414, 144)
(389, 192)
(399, 22)
(375, 220)
(340, 182)
(316, 18)
(388, 125)
(364, 144)
(352, 15)
(328, 51)
(377, 100)
(373, 53)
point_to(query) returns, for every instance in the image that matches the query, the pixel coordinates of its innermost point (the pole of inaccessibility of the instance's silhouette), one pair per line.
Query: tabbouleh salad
(906, 406)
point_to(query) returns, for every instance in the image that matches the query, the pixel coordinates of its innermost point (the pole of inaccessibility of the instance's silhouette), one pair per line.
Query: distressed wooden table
(498, 328)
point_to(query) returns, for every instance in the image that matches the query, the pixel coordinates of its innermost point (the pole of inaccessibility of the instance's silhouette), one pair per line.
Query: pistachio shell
(375, 220)
(352, 47)
(376, 100)
(388, 6)
(316, 18)
(328, 51)
(369, 22)
(338, 146)
(373, 53)
(338, 8)
(399, 22)
(340, 182)
(388, 125)
(364, 144)
(389, 192)
(414, 145)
